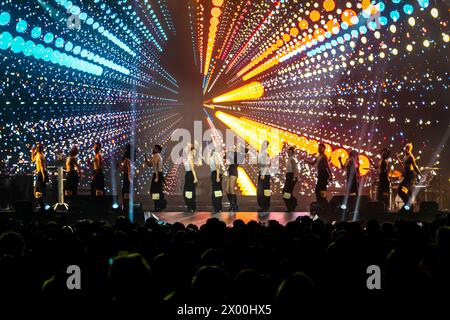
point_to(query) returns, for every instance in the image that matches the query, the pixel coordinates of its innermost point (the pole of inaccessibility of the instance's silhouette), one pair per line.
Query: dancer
(384, 182)
(41, 176)
(324, 175)
(125, 168)
(291, 180)
(351, 167)
(73, 173)
(157, 185)
(234, 157)
(263, 192)
(98, 179)
(409, 176)
(216, 168)
(190, 180)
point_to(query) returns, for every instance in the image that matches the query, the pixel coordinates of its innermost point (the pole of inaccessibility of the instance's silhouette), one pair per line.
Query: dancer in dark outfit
(384, 182)
(291, 180)
(157, 185)
(234, 158)
(73, 173)
(410, 170)
(324, 175)
(190, 179)
(41, 176)
(351, 167)
(98, 178)
(263, 191)
(216, 168)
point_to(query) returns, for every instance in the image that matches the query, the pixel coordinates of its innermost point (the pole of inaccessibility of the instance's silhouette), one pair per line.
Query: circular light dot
(6, 40)
(21, 26)
(4, 18)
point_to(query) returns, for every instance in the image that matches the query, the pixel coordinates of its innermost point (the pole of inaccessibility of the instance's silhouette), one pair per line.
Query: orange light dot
(280, 43)
(314, 15)
(303, 24)
(217, 3)
(329, 5)
(286, 37)
(294, 32)
(216, 12)
(347, 16)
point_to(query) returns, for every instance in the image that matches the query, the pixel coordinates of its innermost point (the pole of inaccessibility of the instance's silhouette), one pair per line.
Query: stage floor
(199, 218)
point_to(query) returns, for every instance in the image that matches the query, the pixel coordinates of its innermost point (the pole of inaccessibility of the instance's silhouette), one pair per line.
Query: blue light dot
(48, 37)
(6, 40)
(28, 48)
(395, 15)
(90, 21)
(4, 18)
(68, 46)
(17, 44)
(36, 32)
(38, 51)
(59, 43)
(77, 50)
(408, 9)
(21, 26)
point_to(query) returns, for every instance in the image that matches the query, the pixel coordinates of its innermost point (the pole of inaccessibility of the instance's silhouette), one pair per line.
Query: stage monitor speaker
(353, 203)
(23, 206)
(429, 206)
(90, 207)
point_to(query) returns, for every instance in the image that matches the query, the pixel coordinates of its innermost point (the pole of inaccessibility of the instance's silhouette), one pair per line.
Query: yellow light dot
(426, 43)
(382, 55)
(394, 51)
(434, 13)
(393, 28)
(409, 47)
(412, 21)
(445, 37)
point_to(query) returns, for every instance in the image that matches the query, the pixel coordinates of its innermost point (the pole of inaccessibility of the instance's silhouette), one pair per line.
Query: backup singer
(291, 180)
(73, 173)
(351, 167)
(234, 157)
(324, 175)
(216, 168)
(410, 170)
(263, 192)
(190, 179)
(98, 178)
(157, 185)
(41, 176)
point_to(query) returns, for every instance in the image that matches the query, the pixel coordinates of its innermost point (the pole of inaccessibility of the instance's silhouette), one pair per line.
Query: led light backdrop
(362, 75)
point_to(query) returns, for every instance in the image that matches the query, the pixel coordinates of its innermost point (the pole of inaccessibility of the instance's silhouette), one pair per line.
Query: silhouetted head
(385, 153)
(408, 147)
(291, 150)
(321, 148)
(157, 148)
(73, 152)
(97, 147)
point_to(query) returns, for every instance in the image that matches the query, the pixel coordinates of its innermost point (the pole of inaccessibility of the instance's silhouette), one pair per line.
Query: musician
(98, 178)
(324, 175)
(73, 173)
(410, 170)
(190, 179)
(41, 176)
(157, 185)
(291, 180)
(263, 191)
(234, 157)
(216, 168)
(351, 167)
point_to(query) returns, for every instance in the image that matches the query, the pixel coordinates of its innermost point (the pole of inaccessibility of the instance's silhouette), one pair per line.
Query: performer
(384, 182)
(41, 176)
(73, 173)
(291, 180)
(216, 168)
(263, 191)
(125, 168)
(234, 157)
(351, 167)
(409, 176)
(157, 186)
(190, 180)
(324, 175)
(98, 178)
